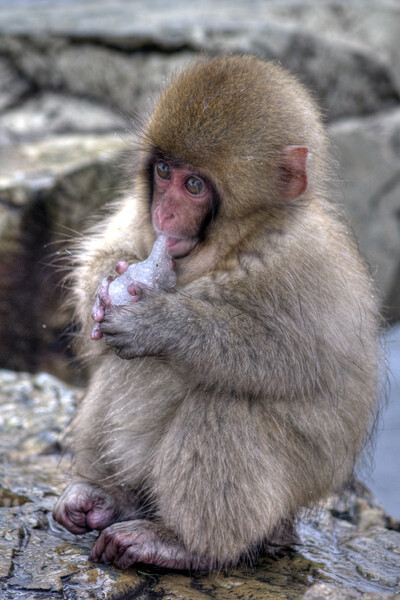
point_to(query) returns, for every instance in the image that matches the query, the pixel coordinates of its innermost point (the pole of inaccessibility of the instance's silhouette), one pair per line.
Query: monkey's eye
(163, 170)
(194, 185)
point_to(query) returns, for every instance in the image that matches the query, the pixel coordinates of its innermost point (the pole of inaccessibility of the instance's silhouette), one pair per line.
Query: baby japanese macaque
(216, 410)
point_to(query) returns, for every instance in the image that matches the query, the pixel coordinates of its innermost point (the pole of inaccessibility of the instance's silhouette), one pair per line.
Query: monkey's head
(228, 141)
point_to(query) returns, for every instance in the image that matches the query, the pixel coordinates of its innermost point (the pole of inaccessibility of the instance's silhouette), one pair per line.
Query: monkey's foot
(83, 507)
(142, 541)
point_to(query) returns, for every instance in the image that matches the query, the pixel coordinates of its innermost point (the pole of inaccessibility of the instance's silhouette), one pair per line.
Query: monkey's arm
(211, 342)
(98, 255)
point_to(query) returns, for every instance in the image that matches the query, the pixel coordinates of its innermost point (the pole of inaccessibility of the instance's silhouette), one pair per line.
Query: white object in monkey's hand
(156, 272)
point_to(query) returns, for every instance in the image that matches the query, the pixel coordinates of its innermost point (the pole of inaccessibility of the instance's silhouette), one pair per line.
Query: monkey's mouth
(180, 247)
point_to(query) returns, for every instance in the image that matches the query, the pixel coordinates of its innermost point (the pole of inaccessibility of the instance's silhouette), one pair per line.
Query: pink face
(181, 202)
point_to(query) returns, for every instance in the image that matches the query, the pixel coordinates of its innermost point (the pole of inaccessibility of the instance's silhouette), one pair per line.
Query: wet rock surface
(349, 548)
(73, 75)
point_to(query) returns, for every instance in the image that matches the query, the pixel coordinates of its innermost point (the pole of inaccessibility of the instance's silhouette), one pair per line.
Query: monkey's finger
(129, 557)
(102, 301)
(98, 549)
(97, 334)
(103, 291)
(108, 546)
(97, 310)
(121, 267)
(115, 549)
(135, 291)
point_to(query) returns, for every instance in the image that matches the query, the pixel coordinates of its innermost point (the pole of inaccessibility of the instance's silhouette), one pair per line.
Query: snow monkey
(220, 406)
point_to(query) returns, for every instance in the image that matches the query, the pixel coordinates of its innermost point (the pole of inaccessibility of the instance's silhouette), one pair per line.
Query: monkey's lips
(180, 247)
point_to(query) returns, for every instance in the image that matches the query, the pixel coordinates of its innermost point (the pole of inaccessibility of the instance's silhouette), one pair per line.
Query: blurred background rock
(74, 72)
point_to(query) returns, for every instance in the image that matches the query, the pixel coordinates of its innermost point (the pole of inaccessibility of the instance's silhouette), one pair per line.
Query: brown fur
(252, 388)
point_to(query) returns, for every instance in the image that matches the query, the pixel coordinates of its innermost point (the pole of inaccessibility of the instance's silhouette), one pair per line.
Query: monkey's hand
(83, 507)
(101, 305)
(138, 329)
(102, 302)
(142, 541)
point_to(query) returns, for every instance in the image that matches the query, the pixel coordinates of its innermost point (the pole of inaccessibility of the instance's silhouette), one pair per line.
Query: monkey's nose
(166, 218)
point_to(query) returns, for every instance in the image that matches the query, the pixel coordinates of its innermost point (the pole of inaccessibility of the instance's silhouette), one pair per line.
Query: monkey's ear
(292, 171)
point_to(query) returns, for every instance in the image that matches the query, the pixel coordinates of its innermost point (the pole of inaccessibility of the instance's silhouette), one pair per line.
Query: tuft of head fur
(230, 117)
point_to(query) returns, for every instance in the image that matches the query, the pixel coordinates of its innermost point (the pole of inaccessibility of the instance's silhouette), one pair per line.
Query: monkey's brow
(176, 163)
(173, 161)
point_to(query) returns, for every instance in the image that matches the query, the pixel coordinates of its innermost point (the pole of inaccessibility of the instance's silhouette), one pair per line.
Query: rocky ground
(72, 75)
(349, 548)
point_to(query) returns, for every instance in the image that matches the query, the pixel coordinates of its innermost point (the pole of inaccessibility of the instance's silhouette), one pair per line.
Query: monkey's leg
(220, 489)
(221, 478)
(92, 500)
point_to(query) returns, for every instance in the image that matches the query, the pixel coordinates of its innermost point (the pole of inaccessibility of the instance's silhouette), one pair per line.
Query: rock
(337, 556)
(12, 85)
(110, 77)
(324, 591)
(81, 67)
(47, 188)
(44, 165)
(369, 150)
(123, 81)
(350, 554)
(48, 114)
(343, 74)
(376, 29)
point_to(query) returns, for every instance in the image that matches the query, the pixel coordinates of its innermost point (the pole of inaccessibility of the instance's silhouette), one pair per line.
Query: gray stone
(47, 189)
(326, 591)
(113, 78)
(369, 559)
(116, 79)
(48, 114)
(369, 151)
(12, 86)
(43, 165)
(374, 26)
(106, 60)
(347, 78)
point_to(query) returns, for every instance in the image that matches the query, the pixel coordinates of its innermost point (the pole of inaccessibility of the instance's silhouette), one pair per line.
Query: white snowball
(156, 272)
